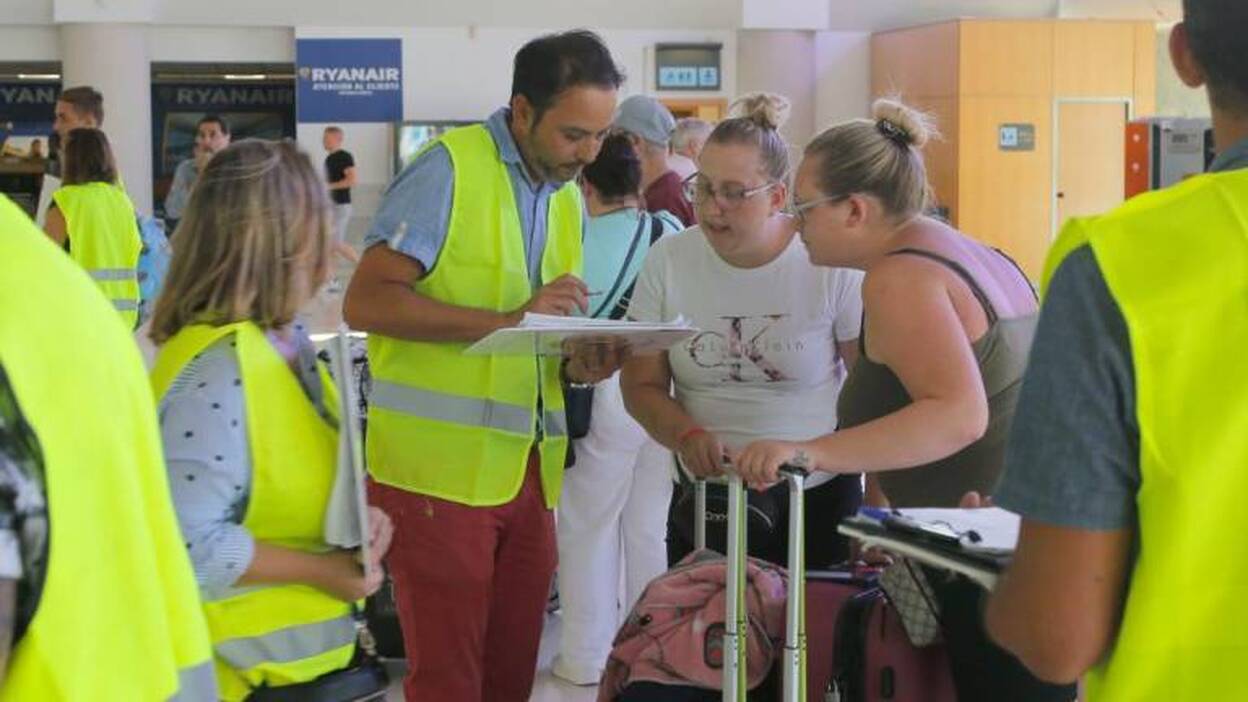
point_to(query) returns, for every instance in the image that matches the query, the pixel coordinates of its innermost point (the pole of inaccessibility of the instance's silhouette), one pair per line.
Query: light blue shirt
(415, 212)
(184, 178)
(608, 239)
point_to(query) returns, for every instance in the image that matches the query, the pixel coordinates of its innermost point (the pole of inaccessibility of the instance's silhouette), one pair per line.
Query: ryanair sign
(349, 80)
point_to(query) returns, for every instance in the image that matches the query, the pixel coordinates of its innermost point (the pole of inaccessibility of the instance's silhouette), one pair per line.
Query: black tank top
(872, 391)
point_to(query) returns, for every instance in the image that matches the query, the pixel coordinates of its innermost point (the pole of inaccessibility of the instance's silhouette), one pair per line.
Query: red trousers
(471, 585)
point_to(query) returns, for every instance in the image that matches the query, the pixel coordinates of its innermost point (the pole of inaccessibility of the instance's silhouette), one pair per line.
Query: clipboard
(351, 443)
(982, 566)
(545, 335)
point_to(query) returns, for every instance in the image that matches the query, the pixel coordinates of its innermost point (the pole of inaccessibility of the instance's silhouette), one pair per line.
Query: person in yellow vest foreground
(1129, 460)
(249, 422)
(93, 219)
(467, 452)
(97, 596)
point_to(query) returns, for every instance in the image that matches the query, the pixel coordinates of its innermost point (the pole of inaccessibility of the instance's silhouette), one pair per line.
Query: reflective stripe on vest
(258, 633)
(457, 409)
(119, 616)
(196, 684)
(1176, 263)
(459, 427)
(103, 274)
(288, 645)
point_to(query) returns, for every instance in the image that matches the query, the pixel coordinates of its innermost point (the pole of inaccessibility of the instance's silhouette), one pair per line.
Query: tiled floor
(547, 688)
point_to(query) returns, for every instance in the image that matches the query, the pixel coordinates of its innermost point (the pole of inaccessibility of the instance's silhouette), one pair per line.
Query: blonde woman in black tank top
(926, 410)
(948, 323)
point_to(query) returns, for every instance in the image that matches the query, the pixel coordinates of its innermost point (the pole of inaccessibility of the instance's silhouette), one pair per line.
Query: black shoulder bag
(579, 402)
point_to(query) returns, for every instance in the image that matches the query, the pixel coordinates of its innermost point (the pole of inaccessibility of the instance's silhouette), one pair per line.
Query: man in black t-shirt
(340, 174)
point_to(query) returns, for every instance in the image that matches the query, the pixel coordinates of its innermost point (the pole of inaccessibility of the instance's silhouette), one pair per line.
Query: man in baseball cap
(649, 125)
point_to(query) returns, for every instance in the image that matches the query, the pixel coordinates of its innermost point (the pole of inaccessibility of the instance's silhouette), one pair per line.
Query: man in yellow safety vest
(1129, 459)
(467, 452)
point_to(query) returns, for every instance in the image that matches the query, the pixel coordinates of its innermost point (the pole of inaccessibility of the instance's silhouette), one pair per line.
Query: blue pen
(876, 514)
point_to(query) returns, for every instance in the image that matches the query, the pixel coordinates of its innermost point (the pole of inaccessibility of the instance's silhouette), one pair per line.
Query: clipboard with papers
(548, 335)
(976, 543)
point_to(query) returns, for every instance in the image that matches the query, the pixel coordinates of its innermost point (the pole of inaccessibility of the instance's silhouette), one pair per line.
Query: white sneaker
(583, 677)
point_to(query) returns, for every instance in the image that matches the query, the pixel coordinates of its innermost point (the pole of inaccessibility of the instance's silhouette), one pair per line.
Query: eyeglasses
(797, 210)
(698, 188)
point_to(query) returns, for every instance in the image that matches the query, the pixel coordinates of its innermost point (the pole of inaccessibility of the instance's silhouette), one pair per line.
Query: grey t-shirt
(1074, 456)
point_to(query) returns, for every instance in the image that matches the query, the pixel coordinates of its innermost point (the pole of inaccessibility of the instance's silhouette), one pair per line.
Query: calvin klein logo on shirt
(745, 341)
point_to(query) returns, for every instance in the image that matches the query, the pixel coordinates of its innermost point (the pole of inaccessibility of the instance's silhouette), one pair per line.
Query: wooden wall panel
(1006, 58)
(941, 154)
(916, 62)
(1004, 197)
(1094, 59)
(1145, 68)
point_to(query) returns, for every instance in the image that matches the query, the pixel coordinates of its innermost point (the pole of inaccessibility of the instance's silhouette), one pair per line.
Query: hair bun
(617, 147)
(909, 125)
(767, 110)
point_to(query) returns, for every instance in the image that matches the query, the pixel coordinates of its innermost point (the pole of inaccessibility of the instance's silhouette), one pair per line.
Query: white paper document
(346, 516)
(997, 528)
(547, 335)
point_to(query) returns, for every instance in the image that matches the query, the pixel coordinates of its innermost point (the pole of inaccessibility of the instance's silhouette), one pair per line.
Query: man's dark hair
(616, 173)
(551, 64)
(214, 119)
(1217, 32)
(88, 158)
(86, 101)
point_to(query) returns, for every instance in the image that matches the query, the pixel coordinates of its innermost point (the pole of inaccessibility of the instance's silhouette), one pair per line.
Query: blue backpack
(153, 263)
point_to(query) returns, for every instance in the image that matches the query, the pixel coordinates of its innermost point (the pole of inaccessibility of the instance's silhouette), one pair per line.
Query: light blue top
(608, 238)
(416, 209)
(184, 178)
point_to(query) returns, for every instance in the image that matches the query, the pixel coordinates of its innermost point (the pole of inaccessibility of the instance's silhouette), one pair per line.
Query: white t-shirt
(765, 365)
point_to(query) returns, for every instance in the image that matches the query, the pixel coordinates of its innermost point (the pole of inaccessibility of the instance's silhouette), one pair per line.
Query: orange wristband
(688, 434)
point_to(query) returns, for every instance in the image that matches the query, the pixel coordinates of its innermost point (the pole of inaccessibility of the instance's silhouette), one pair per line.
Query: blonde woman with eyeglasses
(250, 429)
(778, 332)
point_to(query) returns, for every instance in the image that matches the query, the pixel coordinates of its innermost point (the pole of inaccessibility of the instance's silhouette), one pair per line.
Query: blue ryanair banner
(30, 107)
(349, 80)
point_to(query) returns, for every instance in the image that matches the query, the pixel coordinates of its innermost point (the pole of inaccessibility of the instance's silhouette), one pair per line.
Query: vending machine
(1162, 151)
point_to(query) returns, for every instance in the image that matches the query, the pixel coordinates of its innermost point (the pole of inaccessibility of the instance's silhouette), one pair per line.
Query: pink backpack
(674, 635)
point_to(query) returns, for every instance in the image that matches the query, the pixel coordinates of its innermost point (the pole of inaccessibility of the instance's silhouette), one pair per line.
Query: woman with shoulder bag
(250, 428)
(614, 503)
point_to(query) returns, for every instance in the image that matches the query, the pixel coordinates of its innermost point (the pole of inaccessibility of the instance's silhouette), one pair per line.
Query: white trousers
(612, 516)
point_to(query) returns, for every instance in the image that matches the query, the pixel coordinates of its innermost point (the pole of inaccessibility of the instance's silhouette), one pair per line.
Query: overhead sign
(28, 106)
(349, 80)
(688, 66)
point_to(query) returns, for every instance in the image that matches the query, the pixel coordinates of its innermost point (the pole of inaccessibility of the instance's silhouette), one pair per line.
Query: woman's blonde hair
(253, 244)
(880, 156)
(756, 119)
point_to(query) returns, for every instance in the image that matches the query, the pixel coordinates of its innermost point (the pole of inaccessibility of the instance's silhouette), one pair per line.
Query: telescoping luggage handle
(736, 625)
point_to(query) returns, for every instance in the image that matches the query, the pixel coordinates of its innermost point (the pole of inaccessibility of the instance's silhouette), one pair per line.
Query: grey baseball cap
(647, 118)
